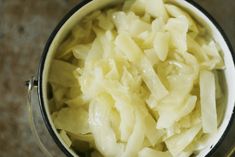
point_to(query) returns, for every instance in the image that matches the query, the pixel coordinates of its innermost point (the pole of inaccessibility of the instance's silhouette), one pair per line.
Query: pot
(38, 84)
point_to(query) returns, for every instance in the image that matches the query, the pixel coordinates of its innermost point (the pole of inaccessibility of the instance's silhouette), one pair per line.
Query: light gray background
(25, 25)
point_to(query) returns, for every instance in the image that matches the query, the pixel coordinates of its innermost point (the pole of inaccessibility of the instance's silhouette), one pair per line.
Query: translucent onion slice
(149, 152)
(136, 139)
(161, 44)
(152, 80)
(99, 122)
(208, 101)
(65, 138)
(128, 46)
(177, 143)
(176, 12)
(178, 28)
(74, 120)
(61, 73)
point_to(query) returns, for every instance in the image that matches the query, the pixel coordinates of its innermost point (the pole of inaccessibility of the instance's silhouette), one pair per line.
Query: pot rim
(51, 38)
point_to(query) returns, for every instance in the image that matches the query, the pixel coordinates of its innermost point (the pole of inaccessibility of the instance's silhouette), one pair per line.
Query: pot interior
(199, 16)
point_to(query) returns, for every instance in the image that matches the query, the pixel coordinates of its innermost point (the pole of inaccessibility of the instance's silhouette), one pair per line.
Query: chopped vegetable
(177, 143)
(178, 28)
(152, 80)
(177, 12)
(152, 56)
(62, 73)
(148, 152)
(74, 120)
(128, 47)
(136, 139)
(161, 45)
(208, 101)
(151, 132)
(99, 121)
(130, 23)
(65, 137)
(156, 8)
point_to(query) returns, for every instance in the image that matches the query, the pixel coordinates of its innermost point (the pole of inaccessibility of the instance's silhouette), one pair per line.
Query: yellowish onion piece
(149, 152)
(178, 28)
(61, 73)
(175, 11)
(161, 44)
(208, 102)
(74, 120)
(177, 143)
(99, 122)
(152, 80)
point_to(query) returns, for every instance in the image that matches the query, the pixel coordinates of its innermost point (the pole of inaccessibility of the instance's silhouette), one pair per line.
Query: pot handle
(232, 152)
(31, 84)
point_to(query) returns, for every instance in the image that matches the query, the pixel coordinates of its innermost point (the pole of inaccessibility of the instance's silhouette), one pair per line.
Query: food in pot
(141, 79)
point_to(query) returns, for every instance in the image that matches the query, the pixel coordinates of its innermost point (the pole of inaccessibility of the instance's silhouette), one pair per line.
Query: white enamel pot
(85, 7)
